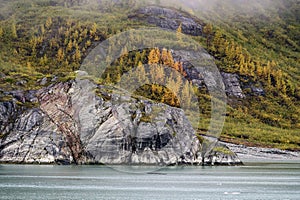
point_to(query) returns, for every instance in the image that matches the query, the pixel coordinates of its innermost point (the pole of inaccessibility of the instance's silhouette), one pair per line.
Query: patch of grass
(256, 133)
(222, 150)
(146, 118)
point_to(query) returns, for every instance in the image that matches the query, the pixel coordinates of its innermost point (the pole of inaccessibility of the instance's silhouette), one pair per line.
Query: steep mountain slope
(256, 46)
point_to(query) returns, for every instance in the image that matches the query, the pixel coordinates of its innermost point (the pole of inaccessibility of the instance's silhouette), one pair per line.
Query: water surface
(279, 180)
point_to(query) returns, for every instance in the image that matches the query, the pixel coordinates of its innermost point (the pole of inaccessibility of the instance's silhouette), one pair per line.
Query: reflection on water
(252, 181)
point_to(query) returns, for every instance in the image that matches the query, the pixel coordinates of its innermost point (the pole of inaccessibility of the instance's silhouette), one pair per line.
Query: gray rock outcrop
(232, 85)
(71, 126)
(222, 155)
(169, 19)
(29, 137)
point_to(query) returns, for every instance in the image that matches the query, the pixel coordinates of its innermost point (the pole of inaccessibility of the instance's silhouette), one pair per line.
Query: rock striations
(71, 125)
(63, 130)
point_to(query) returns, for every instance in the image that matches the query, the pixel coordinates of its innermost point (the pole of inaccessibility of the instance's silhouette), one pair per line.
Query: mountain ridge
(54, 45)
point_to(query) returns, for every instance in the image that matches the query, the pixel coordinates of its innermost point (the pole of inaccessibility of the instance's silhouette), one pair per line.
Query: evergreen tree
(48, 23)
(124, 51)
(88, 43)
(137, 59)
(60, 55)
(167, 58)
(173, 84)
(42, 29)
(141, 73)
(154, 56)
(185, 95)
(108, 78)
(279, 79)
(44, 60)
(160, 74)
(208, 31)
(14, 31)
(1, 32)
(259, 69)
(77, 55)
(179, 32)
(69, 46)
(29, 67)
(93, 30)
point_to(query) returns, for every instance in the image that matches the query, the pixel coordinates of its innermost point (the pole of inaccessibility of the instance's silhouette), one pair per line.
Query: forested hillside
(256, 40)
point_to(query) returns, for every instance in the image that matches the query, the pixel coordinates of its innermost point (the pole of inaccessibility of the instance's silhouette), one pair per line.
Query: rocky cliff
(115, 134)
(71, 125)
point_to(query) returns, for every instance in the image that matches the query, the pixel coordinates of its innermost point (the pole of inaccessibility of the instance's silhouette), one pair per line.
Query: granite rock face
(30, 137)
(75, 126)
(169, 19)
(232, 85)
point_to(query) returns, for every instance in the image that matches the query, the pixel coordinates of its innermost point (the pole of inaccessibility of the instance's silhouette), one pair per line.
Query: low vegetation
(44, 38)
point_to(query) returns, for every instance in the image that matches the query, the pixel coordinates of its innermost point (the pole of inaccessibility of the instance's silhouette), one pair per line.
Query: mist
(209, 10)
(224, 9)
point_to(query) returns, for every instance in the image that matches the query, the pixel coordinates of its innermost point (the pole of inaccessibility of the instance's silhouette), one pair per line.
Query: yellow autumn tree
(69, 46)
(259, 69)
(141, 73)
(77, 55)
(29, 67)
(208, 31)
(60, 55)
(179, 32)
(167, 58)
(93, 29)
(186, 95)
(48, 23)
(14, 31)
(154, 56)
(164, 55)
(88, 43)
(1, 32)
(157, 74)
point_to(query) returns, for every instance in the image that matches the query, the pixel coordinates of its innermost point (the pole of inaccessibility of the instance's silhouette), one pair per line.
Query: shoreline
(245, 153)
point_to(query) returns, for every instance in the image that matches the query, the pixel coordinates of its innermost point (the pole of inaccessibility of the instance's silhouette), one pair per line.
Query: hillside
(45, 42)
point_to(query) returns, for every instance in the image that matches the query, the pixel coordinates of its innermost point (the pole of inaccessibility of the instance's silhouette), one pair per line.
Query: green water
(252, 181)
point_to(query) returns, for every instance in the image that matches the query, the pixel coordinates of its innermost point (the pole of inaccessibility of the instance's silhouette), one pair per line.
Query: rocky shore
(262, 154)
